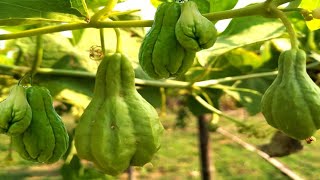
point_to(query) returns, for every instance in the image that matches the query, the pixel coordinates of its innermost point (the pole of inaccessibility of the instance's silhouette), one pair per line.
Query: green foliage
(241, 32)
(217, 5)
(74, 170)
(37, 10)
(250, 45)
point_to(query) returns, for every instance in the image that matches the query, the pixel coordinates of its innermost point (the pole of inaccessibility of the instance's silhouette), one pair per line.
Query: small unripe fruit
(316, 13)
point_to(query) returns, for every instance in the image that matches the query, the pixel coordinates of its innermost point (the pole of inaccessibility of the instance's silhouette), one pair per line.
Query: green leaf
(80, 6)
(251, 100)
(218, 5)
(76, 36)
(241, 32)
(244, 60)
(151, 94)
(203, 5)
(53, 10)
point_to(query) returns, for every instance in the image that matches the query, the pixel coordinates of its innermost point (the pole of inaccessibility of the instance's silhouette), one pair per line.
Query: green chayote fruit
(118, 128)
(15, 112)
(46, 139)
(292, 102)
(161, 55)
(194, 32)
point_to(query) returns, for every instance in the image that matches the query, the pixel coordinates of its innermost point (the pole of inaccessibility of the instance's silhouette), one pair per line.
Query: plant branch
(255, 9)
(44, 30)
(216, 111)
(282, 16)
(156, 83)
(119, 41)
(103, 47)
(38, 56)
(104, 12)
(212, 82)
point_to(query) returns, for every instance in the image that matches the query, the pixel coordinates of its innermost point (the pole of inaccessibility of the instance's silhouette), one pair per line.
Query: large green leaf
(251, 99)
(244, 60)
(44, 10)
(203, 5)
(218, 5)
(241, 32)
(80, 6)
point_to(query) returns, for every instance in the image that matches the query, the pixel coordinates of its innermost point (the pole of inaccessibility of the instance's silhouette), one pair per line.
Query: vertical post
(204, 146)
(130, 173)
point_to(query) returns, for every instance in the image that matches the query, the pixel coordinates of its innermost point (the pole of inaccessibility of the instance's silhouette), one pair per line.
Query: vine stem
(255, 9)
(142, 82)
(216, 111)
(212, 82)
(282, 16)
(119, 41)
(104, 12)
(38, 56)
(103, 47)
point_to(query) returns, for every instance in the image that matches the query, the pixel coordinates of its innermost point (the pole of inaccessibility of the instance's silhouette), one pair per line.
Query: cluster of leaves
(249, 45)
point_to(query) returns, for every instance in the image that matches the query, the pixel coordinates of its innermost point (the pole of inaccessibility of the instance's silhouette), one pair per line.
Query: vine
(256, 9)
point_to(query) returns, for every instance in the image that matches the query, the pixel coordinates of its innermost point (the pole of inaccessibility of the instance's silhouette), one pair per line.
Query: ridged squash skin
(15, 112)
(119, 127)
(292, 102)
(46, 139)
(161, 55)
(194, 32)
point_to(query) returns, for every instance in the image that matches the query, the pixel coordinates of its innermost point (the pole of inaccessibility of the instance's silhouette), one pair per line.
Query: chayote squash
(160, 54)
(292, 102)
(119, 127)
(194, 32)
(15, 112)
(46, 139)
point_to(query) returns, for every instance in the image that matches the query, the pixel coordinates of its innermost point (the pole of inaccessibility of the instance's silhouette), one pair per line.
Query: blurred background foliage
(246, 46)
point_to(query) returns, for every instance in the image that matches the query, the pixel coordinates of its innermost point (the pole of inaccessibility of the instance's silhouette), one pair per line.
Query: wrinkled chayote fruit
(161, 55)
(15, 112)
(292, 102)
(119, 127)
(46, 139)
(194, 32)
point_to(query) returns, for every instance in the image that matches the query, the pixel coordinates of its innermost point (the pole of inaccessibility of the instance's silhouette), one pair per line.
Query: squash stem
(105, 11)
(119, 42)
(38, 55)
(102, 41)
(292, 34)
